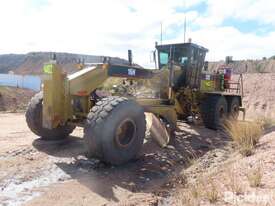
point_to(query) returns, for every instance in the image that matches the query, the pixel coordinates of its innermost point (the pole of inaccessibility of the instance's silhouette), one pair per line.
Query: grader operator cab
(114, 126)
(188, 56)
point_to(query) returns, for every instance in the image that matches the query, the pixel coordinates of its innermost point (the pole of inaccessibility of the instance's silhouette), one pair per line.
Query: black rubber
(34, 121)
(210, 111)
(101, 126)
(233, 107)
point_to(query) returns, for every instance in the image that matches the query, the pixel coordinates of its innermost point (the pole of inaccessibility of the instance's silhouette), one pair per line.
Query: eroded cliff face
(247, 66)
(259, 95)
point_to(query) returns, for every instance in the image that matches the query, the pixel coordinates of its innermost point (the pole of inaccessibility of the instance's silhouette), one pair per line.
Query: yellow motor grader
(114, 126)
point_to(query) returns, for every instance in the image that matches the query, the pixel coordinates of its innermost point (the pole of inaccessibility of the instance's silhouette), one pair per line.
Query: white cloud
(223, 41)
(227, 40)
(261, 10)
(108, 27)
(94, 27)
(257, 10)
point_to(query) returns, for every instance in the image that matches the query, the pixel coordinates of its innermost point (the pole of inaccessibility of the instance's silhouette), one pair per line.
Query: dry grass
(184, 197)
(205, 188)
(255, 176)
(190, 159)
(211, 191)
(234, 184)
(195, 190)
(188, 196)
(245, 134)
(266, 122)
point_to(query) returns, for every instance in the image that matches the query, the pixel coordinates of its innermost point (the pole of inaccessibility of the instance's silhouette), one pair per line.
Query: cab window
(183, 60)
(163, 58)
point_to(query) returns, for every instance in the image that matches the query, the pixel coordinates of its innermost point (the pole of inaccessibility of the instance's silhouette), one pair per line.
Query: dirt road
(35, 172)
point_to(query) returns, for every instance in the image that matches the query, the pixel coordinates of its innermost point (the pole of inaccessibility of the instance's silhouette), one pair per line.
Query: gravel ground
(35, 172)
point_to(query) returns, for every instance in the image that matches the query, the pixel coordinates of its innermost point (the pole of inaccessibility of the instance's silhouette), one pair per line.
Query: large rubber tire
(233, 107)
(34, 121)
(100, 131)
(214, 111)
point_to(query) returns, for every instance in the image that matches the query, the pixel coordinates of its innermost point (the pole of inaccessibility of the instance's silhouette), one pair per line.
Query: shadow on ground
(269, 130)
(147, 173)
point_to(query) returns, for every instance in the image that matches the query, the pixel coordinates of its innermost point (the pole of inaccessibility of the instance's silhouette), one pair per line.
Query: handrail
(238, 88)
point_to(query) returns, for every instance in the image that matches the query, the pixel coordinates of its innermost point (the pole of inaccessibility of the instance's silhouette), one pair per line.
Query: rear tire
(214, 111)
(34, 121)
(233, 107)
(115, 130)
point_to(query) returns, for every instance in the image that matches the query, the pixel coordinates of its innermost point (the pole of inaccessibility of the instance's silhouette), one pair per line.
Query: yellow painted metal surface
(86, 80)
(60, 91)
(53, 97)
(207, 85)
(158, 107)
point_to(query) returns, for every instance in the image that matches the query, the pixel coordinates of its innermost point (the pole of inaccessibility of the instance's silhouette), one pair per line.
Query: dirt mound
(14, 99)
(247, 66)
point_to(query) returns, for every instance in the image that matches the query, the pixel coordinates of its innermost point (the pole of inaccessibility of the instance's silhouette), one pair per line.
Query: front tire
(115, 130)
(34, 121)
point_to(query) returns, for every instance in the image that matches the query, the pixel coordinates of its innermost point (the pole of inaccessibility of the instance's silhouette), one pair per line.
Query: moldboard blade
(157, 130)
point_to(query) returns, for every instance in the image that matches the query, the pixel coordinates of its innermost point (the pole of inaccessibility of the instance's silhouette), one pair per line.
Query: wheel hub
(125, 133)
(221, 113)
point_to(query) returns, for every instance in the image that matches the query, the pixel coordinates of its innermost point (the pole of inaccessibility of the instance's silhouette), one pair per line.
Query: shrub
(233, 182)
(184, 197)
(212, 192)
(266, 122)
(254, 176)
(245, 134)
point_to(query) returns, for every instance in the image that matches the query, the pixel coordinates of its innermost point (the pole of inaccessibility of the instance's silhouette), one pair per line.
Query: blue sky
(244, 29)
(243, 25)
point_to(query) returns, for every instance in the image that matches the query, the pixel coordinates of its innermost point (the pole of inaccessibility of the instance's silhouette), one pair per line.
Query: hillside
(10, 62)
(259, 98)
(14, 99)
(248, 66)
(32, 63)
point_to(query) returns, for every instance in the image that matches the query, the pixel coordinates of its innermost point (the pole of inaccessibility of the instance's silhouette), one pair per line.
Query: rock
(170, 147)
(83, 170)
